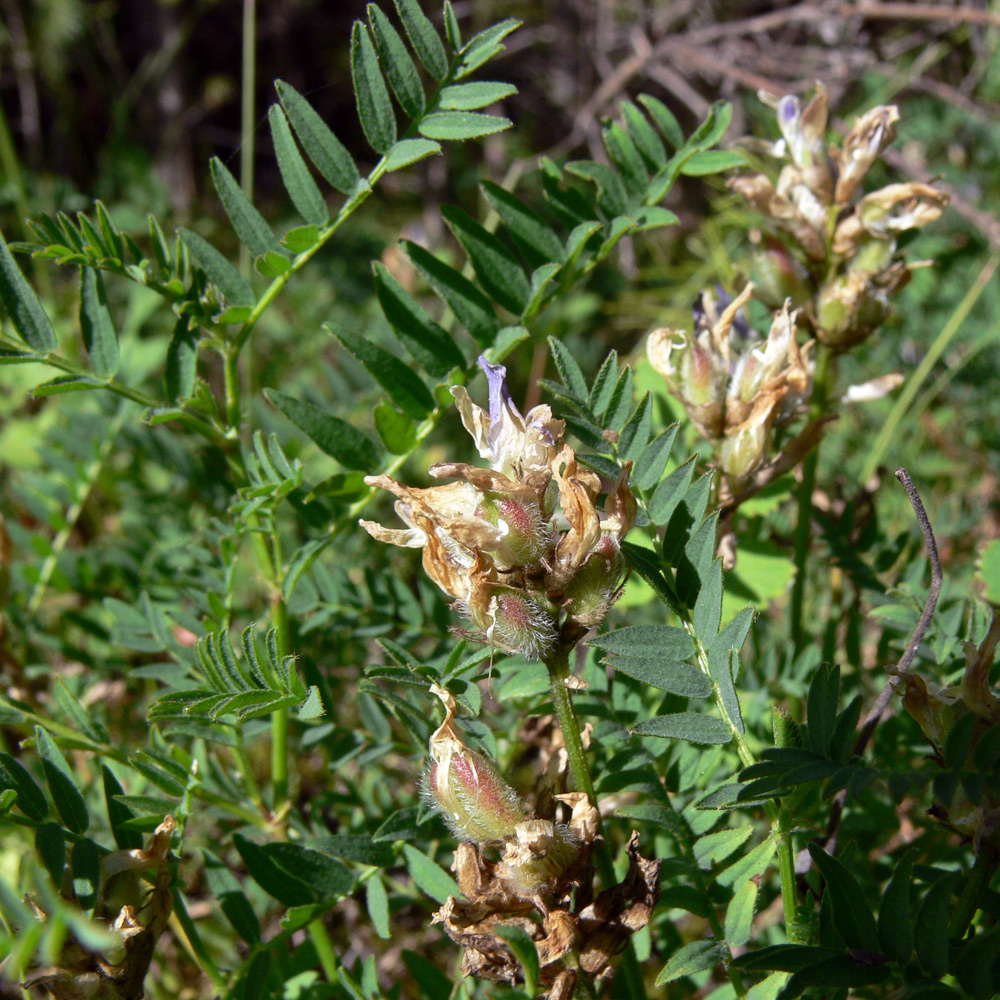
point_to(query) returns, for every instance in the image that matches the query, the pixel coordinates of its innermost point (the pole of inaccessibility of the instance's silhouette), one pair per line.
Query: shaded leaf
(496, 267)
(67, 798)
(96, 323)
(430, 344)
(22, 305)
(374, 107)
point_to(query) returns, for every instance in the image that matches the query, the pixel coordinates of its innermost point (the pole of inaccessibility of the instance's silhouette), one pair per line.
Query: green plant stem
(73, 512)
(325, 950)
(190, 420)
(557, 664)
(776, 817)
(248, 83)
(822, 379)
(279, 719)
(231, 388)
(985, 867)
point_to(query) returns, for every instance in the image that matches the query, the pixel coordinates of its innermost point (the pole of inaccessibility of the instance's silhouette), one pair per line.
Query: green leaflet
(96, 324)
(497, 269)
(248, 223)
(326, 151)
(404, 387)
(22, 305)
(428, 876)
(458, 126)
(220, 271)
(472, 96)
(232, 900)
(62, 786)
(374, 106)
(425, 40)
(473, 309)
(399, 68)
(295, 174)
(691, 726)
(430, 344)
(336, 437)
(408, 151)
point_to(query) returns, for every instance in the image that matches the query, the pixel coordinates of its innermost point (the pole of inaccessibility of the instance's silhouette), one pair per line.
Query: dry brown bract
(118, 972)
(584, 940)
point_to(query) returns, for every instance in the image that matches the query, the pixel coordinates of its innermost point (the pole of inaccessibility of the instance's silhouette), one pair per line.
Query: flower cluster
(841, 265)
(521, 546)
(736, 385)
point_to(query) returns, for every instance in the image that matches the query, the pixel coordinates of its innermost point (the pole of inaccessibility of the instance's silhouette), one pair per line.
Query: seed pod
(466, 787)
(519, 624)
(526, 534)
(593, 589)
(538, 857)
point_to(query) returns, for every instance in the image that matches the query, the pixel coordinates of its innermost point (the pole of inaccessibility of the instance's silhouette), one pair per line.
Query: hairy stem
(557, 664)
(803, 526)
(279, 720)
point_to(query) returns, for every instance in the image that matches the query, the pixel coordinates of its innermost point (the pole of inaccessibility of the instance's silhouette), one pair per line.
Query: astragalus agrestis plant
(221, 772)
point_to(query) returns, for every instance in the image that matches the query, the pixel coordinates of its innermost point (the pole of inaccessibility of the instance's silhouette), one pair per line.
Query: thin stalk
(775, 815)
(248, 84)
(985, 867)
(325, 951)
(72, 515)
(279, 719)
(803, 525)
(190, 420)
(903, 403)
(243, 761)
(231, 388)
(557, 664)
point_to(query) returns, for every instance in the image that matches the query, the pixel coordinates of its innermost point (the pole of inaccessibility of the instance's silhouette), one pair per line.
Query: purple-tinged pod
(466, 787)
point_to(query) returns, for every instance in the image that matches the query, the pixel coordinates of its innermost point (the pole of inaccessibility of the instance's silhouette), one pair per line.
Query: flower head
(494, 541)
(742, 385)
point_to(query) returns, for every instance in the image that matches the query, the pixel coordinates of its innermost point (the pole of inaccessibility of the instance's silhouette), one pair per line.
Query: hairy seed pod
(538, 856)
(466, 787)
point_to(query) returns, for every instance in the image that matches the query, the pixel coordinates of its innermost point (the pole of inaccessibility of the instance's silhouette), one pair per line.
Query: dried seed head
(466, 787)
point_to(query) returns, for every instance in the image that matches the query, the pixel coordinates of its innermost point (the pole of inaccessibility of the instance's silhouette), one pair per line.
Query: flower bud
(466, 787)
(872, 132)
(778, 276)
(696, 376)
(743, 451)
(849, 308)
(538, 857)
(519, 624)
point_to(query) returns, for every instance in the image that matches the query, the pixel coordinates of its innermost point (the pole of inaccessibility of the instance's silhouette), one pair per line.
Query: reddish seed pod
(466, 787)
